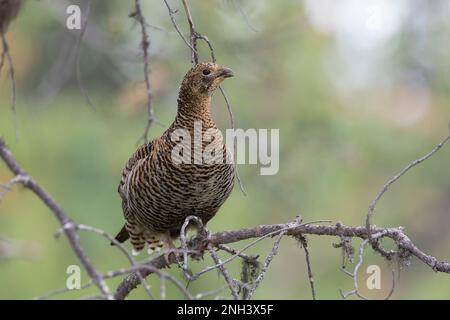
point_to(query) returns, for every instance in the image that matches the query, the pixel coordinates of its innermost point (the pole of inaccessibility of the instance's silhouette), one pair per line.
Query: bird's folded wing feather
(142, 152)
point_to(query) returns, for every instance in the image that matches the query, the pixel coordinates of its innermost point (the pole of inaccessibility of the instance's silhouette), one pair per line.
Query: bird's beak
(226, 73)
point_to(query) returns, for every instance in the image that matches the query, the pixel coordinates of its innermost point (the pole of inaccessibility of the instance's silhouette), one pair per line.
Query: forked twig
(395, 178)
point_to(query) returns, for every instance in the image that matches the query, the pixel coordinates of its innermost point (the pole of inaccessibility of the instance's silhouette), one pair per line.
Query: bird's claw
(167, 254)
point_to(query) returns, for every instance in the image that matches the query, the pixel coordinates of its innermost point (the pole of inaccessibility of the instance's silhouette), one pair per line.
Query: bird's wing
(142, 152)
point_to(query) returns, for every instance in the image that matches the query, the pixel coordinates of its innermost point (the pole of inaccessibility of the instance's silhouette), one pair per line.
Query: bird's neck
(192, 109)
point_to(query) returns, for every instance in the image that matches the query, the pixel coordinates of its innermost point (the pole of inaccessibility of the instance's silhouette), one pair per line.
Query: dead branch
(354, 275)
(199, 246)
(175, 25)
(11, 72)
(110, 239)
(78, 55)
(304, 244)
(238, 6)
(9, 11)
(240, 254)
(371, 211)
(206, 242)
(224, 271)
(396, 234)
(265, 267)
(29, 183)
(145, 43)
(194, 34)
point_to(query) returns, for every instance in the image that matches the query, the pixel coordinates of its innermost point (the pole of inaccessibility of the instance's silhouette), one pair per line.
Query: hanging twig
(145, 43)
(78, 56)
(11, 71)
(304, 243)
(265, 267)
(224, 271)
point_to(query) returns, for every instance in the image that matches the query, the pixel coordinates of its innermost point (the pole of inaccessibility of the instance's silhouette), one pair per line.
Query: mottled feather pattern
(158, 194)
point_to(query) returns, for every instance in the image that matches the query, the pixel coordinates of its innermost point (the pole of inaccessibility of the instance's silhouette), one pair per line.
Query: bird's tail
(155, 242)
(122, 236)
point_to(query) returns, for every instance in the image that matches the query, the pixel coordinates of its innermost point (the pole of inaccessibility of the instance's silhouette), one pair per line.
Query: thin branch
(145, 43)
(214, 240)
(78, 56)
(112, 274)
(240, 254)
(60, 291)
(184, 246)
(230, 112)
(391, 292)
(224, 271)
(29, 183)
(251, 244)
(210, 47)
(141, 268)
(386, 186)
(265, 267)
(162, 287)
(354, 275)
(238, 5)
(116, 243)
(193, 33)
(177, 28)
(304, 243)
(199, 296)
(8, 186)
(225, 237)
(11, 71)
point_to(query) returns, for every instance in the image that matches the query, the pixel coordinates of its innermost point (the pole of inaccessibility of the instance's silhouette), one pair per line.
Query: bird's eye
(206, 72)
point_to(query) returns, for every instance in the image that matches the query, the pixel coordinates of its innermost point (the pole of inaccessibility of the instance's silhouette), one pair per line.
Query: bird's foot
(167, 254)
(170, 248)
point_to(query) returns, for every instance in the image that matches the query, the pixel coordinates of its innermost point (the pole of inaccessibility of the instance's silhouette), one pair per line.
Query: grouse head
(204, 78)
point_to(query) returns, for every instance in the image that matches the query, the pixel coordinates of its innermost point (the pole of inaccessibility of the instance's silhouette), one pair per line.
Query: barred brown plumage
(157, 193)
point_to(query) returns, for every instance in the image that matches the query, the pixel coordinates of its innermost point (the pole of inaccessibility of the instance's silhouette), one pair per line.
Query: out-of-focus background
(358, 89)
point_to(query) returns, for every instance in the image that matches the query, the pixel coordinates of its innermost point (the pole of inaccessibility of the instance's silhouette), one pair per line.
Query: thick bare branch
(225, 237)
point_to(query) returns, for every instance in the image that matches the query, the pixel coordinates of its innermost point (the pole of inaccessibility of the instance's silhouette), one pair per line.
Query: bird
(8, 11)
(157, 193)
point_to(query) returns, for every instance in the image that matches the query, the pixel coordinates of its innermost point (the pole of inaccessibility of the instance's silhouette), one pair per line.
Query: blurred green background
(357, 89)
